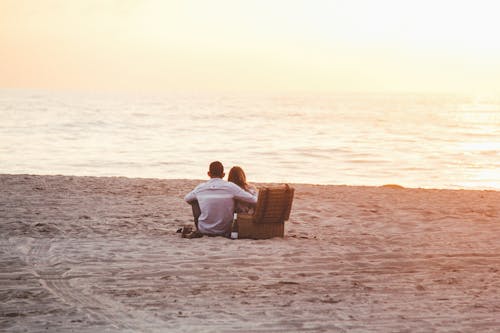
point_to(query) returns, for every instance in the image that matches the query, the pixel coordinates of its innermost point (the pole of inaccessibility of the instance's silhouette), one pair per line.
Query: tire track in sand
(99, 309)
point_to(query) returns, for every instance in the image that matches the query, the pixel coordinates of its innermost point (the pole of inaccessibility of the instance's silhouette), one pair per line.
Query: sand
(94, 254)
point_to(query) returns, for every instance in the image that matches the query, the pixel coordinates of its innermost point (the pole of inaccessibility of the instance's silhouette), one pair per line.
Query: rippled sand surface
(90, 254)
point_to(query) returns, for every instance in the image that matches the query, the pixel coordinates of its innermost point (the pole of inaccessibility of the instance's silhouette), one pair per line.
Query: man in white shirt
(216, 199)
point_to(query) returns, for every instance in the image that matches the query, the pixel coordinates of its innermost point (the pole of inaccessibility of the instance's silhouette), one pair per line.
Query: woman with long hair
(237, 176)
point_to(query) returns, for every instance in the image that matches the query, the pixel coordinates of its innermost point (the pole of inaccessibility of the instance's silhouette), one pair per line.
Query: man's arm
(240, 194)
(190, 197)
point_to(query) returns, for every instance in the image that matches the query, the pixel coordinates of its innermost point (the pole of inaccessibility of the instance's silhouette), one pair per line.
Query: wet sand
(95, 254)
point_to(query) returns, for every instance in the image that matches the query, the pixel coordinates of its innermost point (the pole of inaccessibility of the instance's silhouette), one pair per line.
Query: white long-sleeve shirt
(217, 199)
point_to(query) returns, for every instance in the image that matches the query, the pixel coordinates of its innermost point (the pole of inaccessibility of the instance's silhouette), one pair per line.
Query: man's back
(216, 199)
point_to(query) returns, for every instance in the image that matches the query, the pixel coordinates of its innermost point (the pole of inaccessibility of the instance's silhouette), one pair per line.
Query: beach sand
(96, 254)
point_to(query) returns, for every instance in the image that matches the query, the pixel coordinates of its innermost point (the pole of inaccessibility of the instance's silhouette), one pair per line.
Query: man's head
(216, 170)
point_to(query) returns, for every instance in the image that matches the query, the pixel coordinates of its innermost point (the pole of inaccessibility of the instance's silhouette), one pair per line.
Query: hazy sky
(252, 45)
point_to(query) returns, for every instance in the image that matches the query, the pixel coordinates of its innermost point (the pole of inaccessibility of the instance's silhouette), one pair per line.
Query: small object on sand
(187, 229)
(394, 186)
(188, 232)
(193, 234)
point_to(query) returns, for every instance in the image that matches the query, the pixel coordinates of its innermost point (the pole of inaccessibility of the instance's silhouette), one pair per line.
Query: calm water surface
(412, 140)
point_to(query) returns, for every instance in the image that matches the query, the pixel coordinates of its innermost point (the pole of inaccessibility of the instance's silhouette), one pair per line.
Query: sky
(251, 46)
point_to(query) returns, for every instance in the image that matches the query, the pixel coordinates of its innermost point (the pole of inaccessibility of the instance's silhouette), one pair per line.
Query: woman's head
(237, 176)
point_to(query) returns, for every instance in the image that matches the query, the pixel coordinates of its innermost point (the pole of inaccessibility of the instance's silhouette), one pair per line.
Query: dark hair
(216, 169)
(237, 176)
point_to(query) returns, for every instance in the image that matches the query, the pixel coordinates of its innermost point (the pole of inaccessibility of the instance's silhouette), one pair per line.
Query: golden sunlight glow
(279, 45)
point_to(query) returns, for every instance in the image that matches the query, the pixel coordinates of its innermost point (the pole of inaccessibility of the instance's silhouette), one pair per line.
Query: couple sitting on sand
(215, 201)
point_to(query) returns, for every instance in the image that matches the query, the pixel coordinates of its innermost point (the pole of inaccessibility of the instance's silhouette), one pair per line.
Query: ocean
(414, 140)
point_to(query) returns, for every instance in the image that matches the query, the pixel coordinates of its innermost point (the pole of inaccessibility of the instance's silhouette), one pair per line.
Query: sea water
(414, 140)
